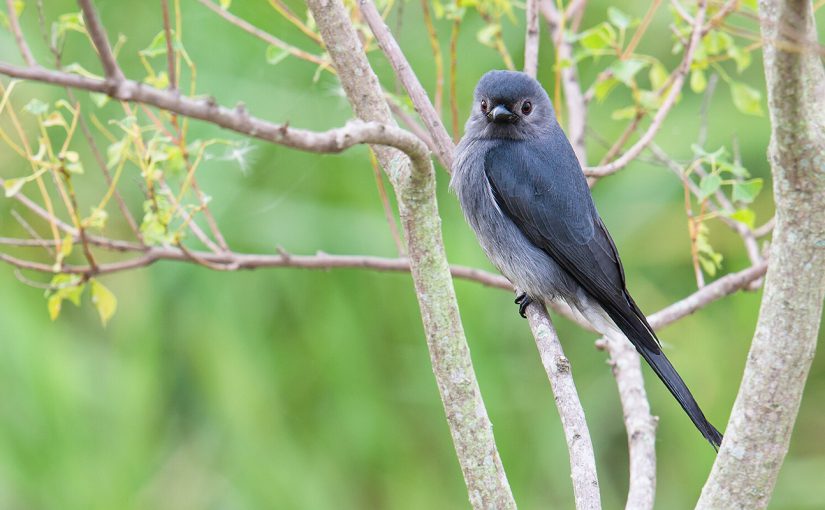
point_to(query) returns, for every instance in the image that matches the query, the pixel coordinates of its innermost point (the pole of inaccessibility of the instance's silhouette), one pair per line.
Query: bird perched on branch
(525, 196)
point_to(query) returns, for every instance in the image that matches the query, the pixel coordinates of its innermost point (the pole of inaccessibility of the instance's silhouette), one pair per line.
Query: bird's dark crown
(507, 87)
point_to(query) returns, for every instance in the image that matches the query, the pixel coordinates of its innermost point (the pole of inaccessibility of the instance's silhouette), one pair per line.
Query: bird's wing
(542, 190)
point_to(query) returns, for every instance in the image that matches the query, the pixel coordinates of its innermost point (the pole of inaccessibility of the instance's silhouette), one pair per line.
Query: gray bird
(523, 192)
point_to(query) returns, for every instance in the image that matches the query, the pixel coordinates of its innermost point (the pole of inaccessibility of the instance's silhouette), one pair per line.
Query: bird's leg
(523, 301)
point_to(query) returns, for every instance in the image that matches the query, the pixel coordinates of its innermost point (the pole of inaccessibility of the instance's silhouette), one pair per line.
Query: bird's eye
(483, 106)
(526, 107)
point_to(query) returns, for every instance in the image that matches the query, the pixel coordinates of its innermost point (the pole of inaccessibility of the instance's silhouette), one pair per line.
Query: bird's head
(509, 104)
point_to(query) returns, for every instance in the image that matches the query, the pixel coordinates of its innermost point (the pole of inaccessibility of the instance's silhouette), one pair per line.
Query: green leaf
(625, 70)
(747, 191)
(619, 19)
(716, 42)
(97, 218)
(625, 113)
(744, 215)
(274, 54)
(708, 185)
(12, 186)
(746, 99)
(698, 82)
(98, 99)
(36, 107)
(156, 47)
(104, 300)
(63, 287)
(66, 246)
(487, 35)
(602, 88)
(658, 75)
(225, 4)
(741, 56)
(599, 37)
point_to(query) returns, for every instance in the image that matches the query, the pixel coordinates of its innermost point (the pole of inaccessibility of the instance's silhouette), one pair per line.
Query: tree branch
(579, 445)
(762, 419)
(531, 38)
(14, 25)
(444, 146)
(101, 41)
(467, 417)
(574, 99)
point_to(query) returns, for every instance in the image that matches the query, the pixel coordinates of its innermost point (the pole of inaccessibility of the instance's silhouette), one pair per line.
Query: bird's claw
(523, 301)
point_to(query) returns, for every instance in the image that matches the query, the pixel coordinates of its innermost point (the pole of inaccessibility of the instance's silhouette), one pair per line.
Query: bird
(523, 193)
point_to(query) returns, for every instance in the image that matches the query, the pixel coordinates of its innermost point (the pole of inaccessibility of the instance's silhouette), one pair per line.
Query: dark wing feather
(545, 194)
(540, 187)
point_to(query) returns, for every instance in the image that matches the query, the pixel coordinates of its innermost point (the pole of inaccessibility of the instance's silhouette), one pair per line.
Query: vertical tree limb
(470, 425)
(757, 436)
(531, 38)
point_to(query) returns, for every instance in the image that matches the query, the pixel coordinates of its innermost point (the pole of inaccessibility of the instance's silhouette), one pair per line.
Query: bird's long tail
(661, 365)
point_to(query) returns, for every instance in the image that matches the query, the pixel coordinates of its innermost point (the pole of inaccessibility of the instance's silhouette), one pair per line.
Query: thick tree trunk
(763, 416)
(470, 425)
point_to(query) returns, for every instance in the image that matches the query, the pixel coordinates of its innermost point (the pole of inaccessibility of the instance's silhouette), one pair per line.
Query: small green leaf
(746, 99)
(12, 186)
(625, 113)
(698, 82)
(104, 300)
(36, 107)
(226, 4)
(708, 185)
(658, 75)
(274, 54)
(625, 70)
(602, 88)
(619, 19)
(66, 246)
(97, 218)
(54, 304)
(599, 37)
(99, 100)
(156, 47)
(741, 56)
(744, 215)
(747, 191)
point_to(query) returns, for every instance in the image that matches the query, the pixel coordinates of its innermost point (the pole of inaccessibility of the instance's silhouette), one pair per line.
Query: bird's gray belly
(527, 266)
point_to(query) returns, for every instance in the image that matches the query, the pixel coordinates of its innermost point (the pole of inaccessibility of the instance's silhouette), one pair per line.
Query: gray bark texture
(763, 416)
(470, 426)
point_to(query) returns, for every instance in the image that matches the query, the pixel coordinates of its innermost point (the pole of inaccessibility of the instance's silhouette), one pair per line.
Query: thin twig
(675, 89)
(403, 71)
(267, 37)
(101, 41)
(531, 38)
(14, 25)
(438, 60)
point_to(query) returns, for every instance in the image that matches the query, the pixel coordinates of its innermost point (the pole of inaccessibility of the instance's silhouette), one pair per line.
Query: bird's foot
(523, 301)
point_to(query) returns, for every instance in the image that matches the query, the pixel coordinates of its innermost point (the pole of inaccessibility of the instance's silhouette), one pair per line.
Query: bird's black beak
(501, 115)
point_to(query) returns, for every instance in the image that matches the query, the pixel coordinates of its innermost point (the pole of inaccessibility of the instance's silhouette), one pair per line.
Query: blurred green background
(296, 389)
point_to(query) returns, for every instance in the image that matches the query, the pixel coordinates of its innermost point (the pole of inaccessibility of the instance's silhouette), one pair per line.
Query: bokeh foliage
(293, 389)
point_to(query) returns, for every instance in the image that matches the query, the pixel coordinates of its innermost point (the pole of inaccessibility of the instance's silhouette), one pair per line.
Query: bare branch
(14, 25)
(467, 417)
(579, 445)
(573, 97)
(101, 41)
(711, 292)
(639, 422)
(531, 38)
(675, 89)
(441, 139)
(236, 261)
